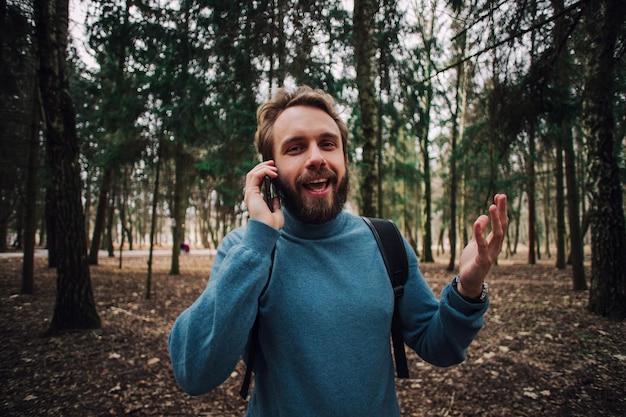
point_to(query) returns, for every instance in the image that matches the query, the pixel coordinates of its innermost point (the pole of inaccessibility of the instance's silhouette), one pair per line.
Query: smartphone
(267, 186)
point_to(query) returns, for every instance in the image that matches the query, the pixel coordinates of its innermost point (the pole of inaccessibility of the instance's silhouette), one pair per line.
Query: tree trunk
(182, 163)
(531, 191)
(563, 125)
(51, 227)
(8, 66)
(454, 185)
(122, 211)
(75, 306)
(30, 206)
(427, 252)
(532, 218)
(101, 210)
(560, 206)
(364, 55)
(547, 215)
(31, 197)
(577, 256)
(380, 168)
(109, 237)
(153, 219)
(607, 295)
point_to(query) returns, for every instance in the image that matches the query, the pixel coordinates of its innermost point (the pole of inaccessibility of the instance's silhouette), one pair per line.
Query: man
(315, 275)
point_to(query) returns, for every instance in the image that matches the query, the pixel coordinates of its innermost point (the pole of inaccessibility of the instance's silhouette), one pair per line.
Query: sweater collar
(299, 229)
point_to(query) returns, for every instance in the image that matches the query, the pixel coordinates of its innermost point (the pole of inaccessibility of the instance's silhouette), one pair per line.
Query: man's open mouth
(317, 185)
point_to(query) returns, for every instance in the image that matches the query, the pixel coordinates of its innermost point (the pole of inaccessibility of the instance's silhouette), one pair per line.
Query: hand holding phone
(258, 195)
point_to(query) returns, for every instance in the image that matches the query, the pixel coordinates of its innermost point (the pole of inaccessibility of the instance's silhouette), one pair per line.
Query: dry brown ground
(541, 352)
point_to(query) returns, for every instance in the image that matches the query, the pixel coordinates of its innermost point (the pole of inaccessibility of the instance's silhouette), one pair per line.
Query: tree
(559, 177)
(564, 125)
(31, 193)
(364, 57)
(604, 22)
(17, 100)
(530, 158)
(418, 94)
(423, 128)
(455, 137)
(202, 66)
(118, 104)
(153, 219)
(75, 306)
(20, 127)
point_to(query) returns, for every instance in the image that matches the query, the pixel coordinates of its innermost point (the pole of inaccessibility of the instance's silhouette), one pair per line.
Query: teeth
(319, 181)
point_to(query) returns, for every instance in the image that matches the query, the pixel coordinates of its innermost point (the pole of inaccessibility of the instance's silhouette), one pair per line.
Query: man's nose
(316, 156)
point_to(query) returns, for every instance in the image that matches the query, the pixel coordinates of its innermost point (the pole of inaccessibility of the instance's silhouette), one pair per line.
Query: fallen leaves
(540, 352)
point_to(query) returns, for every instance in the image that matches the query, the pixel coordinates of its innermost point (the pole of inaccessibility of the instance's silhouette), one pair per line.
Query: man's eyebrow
(291, 140)
(329, 135)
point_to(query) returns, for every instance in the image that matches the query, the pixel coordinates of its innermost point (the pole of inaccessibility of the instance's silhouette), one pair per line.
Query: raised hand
(481, 252)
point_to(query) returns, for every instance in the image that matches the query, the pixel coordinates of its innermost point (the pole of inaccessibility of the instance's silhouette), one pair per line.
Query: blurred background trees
(448, 103)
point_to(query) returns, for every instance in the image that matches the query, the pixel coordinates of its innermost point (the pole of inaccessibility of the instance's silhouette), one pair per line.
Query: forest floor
(541, 353)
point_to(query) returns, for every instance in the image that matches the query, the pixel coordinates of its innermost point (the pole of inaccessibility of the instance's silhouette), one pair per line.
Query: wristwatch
(480, 299)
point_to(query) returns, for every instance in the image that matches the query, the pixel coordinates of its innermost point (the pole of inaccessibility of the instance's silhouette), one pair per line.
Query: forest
(128, 124)
(126, 131)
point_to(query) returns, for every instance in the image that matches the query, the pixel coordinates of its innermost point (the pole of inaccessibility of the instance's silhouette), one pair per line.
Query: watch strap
(484, 293)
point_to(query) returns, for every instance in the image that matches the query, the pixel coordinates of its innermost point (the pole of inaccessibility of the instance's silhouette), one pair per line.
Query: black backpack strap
(254, 336)
(393, 252)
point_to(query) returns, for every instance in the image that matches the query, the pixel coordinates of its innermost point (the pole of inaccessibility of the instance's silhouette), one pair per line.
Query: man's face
(309, 155)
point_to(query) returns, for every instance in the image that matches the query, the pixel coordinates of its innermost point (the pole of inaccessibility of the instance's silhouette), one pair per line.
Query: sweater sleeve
(438, 330)
(208, 338)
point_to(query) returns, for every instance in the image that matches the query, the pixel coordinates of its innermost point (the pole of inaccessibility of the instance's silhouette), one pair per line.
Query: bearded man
(313, 276)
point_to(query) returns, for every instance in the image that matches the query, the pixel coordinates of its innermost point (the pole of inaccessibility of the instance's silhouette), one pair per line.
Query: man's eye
(294, 149)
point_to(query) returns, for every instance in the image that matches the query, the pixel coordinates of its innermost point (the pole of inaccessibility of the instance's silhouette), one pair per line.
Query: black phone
(267, 189)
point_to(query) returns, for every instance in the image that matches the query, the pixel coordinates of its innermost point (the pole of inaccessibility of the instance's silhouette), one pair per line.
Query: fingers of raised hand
(499, 223)
(254, 178)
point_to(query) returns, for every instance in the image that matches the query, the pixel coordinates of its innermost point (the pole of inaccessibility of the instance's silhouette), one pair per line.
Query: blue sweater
(325, 320)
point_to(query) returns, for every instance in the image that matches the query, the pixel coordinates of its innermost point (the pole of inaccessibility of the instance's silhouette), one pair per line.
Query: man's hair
(268, 112)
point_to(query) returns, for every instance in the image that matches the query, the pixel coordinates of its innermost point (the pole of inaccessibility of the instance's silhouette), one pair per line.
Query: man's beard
(314, 210)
